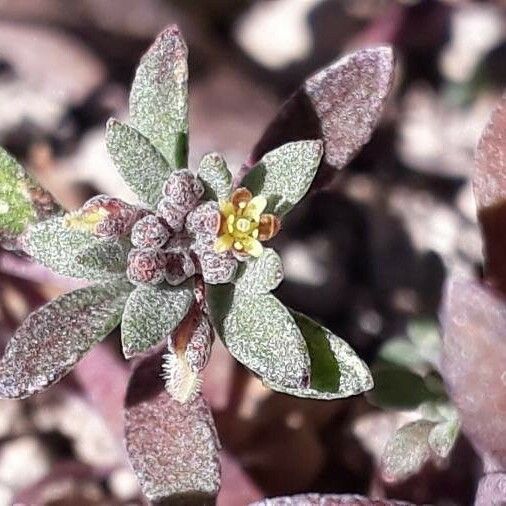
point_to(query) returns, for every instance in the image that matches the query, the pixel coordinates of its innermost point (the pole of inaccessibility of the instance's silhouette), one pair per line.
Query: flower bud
(175, 218)
(149, 232)
(179, 267)
(105, 217)
(204, 219)
(183, 190)
(146, 266)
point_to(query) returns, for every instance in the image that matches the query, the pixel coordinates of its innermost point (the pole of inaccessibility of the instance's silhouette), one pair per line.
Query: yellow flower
(243, 226)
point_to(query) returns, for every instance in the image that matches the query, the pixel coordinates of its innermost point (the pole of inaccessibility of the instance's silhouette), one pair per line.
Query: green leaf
(53, 338)
(283, 176)
(151, 314)
(260, 275)
(261, 334)
(401, 352)
(22, 200)
(425, 336)
(336, 370)
(159, 97)
(215, 176)
(443, 436)
(407, 451)
(75, 253)
(140, 164)
(399, 388)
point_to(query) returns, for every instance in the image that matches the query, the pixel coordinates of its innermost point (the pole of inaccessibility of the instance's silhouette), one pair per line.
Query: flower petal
(223, 243)
(255, 207)
(269, 226)
(252, 247)
(226, 208)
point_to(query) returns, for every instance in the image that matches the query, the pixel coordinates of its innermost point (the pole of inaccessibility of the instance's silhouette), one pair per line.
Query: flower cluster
(185, 235)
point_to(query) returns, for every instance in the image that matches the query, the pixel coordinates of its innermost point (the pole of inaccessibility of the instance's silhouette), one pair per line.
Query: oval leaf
(341, 104)
(53, 338)
(261, 334)
(491, 490)
(140, 164)
(407, 451)
(489, 183)
(22, 200)
(173, 447)
(328, 500)
(75, 253)
(443, 436)
(260, 275)
(336, 370)
(159, 96)
(151, 314)
(473, 363)
(217, 179)
(283, 176)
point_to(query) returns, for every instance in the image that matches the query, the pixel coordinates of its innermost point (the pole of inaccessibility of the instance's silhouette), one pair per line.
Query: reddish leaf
(53, 338)
(491, 490)
(328, 500)
(172, 447)
(473, 364)
(489, 183)
(341, 104)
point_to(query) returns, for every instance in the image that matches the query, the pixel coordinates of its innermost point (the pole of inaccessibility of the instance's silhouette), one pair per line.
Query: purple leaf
(489, 183)
(173, 447)
(473, 363)
(328, 500)
(491, 490)
(53, 338)
(341, 104)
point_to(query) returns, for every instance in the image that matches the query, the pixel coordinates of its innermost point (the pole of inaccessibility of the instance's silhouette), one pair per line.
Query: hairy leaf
(491, 490)
(260, 275)
(489, 182)
(336, 370)
(473, 363)
(140, 164)
(283, 176)
(53, 338)
(328, 500)
(75, 253)
(172, 447)
(443, 436)
(261, 334)
(159, 96)
(407, 451)
(216, 177)
(341, 104)
(151, 314)
(22, 200)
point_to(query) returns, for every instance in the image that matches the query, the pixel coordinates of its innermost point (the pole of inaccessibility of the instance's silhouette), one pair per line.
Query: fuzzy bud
(183, 190)
(149, 232)
(216, 268)
(175, 218)
(198, 349)
(204, 219)
(179, 267)
(146, 266)
(105, 217)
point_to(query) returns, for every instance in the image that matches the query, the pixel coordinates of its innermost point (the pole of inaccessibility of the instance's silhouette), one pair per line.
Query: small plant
(188, 263)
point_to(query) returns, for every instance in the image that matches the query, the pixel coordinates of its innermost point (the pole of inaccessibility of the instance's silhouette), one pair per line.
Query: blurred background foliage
(367, 258)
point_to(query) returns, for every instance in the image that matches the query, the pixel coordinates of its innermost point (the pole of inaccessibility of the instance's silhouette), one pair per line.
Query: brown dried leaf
(328, 500)
(172, 447)
(489, 182)
(341, 104)
(53, 338)
(473, 363)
